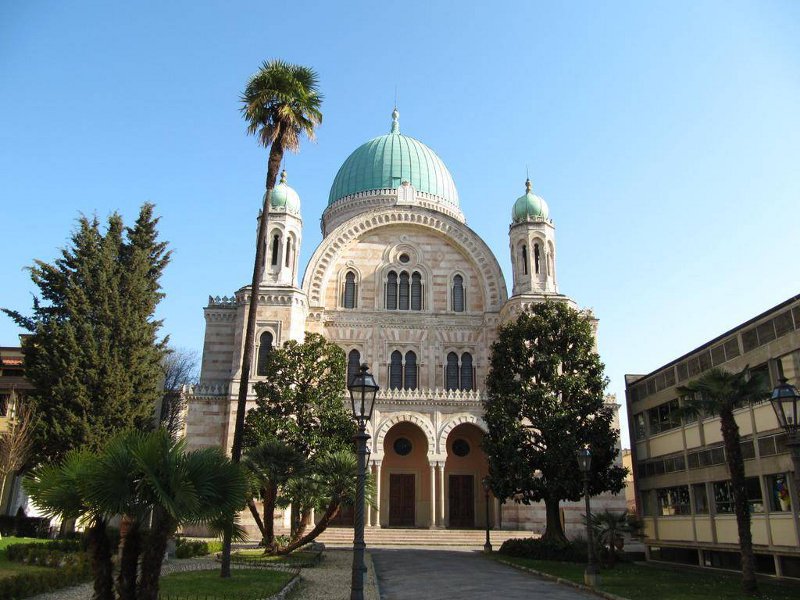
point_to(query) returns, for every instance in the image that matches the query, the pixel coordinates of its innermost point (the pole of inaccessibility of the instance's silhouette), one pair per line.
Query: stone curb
(374, 575)
(561, 580)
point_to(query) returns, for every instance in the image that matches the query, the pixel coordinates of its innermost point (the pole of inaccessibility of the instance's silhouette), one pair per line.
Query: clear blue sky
(665, 137)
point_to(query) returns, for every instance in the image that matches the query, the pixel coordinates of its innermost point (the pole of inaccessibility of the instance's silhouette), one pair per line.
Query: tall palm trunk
(100, 556)
(553, 531)
(330, 513)
(270, 495)
(251, 504)
(153, 556)
(730, 435)
(131, 542)
(273, 164)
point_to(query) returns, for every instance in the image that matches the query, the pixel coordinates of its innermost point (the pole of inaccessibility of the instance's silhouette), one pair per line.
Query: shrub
(77, 570)
(539, 549)
(21, 526)
(186, 548)
(49, 554)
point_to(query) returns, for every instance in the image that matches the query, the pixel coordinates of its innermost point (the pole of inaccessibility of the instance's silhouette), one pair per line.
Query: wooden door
(461, 497)
(401, 500)
(345, 518)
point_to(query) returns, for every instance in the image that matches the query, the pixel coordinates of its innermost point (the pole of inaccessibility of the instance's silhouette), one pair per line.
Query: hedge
(77, 570)
(186, 548)
(538, 549)
(48, 554)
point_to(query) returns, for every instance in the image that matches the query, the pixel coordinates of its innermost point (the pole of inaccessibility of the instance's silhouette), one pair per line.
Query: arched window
(264, 348)
(403, 301)
(536, 257)
(451, 371)
(416, 291)
(458, 293)
(276, 245)
(524, 260)
(349, 290)
(391, 291)
(288, 250)
(466, 371)
(410, 375)
(353, 364)
(396, 371)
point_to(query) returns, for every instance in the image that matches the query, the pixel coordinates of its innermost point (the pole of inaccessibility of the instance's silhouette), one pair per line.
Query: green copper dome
(285, 198)
(387, 161)
(529, 206)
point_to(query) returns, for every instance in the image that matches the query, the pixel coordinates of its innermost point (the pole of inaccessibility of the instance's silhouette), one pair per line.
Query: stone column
(440, 499)
(433, 494)
(369, 508)
(377, 464)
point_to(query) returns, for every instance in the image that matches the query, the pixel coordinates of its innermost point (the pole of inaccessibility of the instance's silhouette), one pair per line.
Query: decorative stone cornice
(208, 390)
(274, 296)
(326, 254)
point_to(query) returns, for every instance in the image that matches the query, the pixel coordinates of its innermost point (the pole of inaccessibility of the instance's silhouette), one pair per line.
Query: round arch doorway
(465, 467)
(405, 478)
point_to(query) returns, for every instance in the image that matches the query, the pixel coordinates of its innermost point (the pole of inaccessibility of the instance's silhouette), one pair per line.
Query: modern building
(401, 282)
(13, 388)
(681, 476)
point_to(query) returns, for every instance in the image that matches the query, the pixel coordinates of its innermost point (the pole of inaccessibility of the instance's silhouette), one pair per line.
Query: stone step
(343, 536)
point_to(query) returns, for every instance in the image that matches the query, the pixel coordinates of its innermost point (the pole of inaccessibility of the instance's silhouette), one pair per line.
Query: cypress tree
(93, 354)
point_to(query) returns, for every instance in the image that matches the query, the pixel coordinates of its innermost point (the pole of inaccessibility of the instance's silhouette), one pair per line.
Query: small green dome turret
(284, 197)
(530, 206)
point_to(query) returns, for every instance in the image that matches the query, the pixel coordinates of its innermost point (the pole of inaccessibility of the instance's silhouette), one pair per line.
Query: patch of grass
(653, 582)
(7, 541)
(244, 584)
(257, 556)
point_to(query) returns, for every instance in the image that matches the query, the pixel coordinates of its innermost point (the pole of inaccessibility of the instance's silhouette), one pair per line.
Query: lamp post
(786, 402)
(591, 576)
(487, 547)
(362, 390)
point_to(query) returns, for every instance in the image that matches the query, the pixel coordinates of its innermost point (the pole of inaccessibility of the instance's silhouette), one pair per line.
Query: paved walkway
(424, 574)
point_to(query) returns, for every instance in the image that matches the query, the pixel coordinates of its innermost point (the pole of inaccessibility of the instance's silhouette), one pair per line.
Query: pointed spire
(395, 121)
(283, 176)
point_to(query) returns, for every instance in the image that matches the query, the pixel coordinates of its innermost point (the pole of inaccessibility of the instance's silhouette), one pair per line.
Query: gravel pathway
(330, 580)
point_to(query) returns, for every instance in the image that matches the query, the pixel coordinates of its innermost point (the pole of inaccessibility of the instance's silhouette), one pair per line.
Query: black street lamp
(362, 390)
(591, 576)
(786, 403)
(487, 547)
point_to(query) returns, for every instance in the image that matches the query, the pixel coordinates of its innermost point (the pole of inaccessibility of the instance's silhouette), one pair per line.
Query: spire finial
(395, 120)
(528, 185)
(283, 176)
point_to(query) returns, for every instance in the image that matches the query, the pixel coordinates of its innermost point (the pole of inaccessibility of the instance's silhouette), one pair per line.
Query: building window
(350, 288)
(451, 371)
(416, 291)
(353, 364)
(403, 376)
(410, 372)
(391, 291)
(459, 375)
(264, 348)
(404, 292)
(458, 294)
(700, 498)
(639, 428)
(673, 501)
(276, 246)
(288, 251)
(536, 258)
(461, 447)
(466, 372)
(664, 417)
(723, 496)
(524, 260)
(778, 490)
(402, 446)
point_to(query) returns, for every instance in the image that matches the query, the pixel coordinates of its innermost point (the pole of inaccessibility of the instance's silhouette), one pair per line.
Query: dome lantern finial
(395, 121)
(527, 185)
(283, 176)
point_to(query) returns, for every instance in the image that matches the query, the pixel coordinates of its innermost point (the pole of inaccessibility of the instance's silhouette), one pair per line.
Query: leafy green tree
(299, 410)
(94, 354)
(720, 392)
(281, 103)
(545, 400)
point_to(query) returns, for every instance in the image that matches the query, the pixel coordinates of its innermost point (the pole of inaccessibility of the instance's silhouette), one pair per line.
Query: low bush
(186, 548)
(76, 570)
(47, 554)
(575, 551)
(21, 526)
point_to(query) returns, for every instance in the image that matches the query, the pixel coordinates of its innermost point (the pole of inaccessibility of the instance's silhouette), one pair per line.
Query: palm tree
(272, 464)
(608, 527)
(336, 475)
(720, 392)
(281, 103)
(60, 491)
